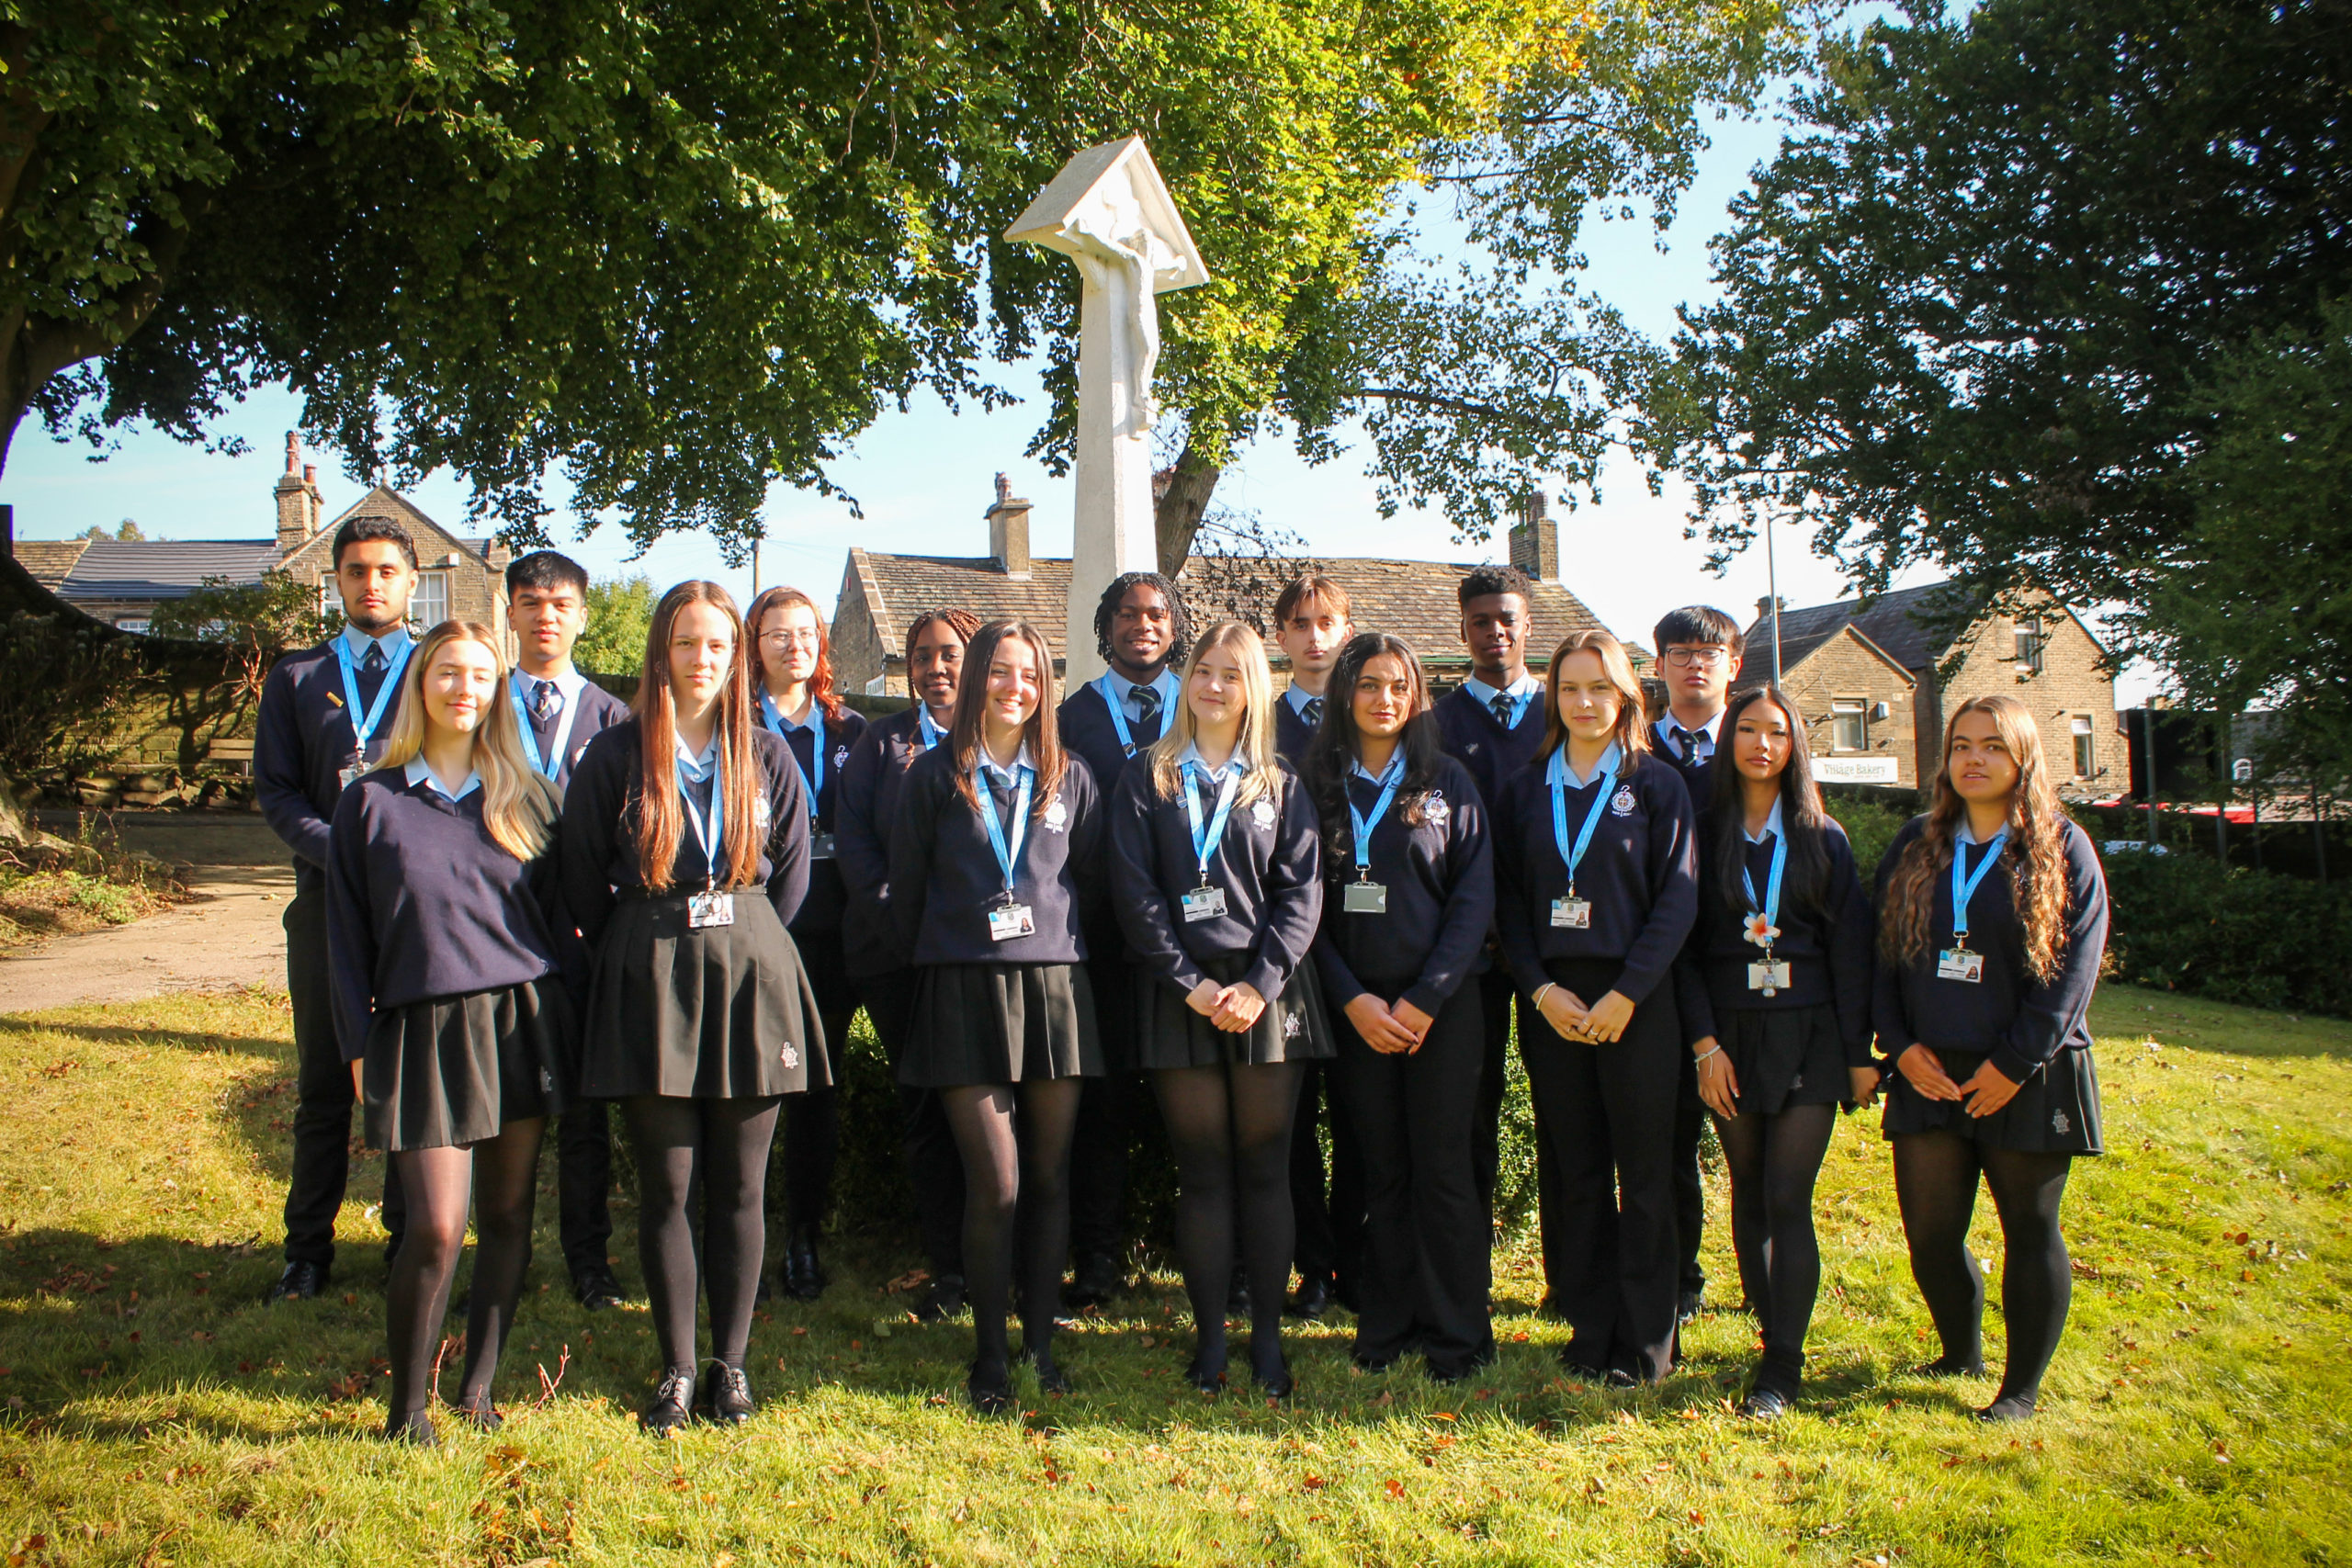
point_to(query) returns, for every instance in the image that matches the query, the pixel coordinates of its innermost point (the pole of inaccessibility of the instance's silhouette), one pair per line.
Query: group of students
(1334, 907)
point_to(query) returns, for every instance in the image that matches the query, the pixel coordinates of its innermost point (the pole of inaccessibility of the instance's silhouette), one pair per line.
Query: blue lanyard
(1558, 777)
(1204, 842)
(708, 838)
(1005, 854)
(932, 734)
(816, 728)
(364, 725)
(1119, 709)
(1390, 777)
(1963, 888)
(1771, 910)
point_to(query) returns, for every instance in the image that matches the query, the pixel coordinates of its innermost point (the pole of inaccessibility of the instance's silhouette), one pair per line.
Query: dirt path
(229, 936)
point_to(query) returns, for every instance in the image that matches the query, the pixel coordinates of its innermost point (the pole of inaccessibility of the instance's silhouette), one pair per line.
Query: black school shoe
(1314, 1299)
(300, 1282)
(1274, 1381)
(482, 1415)
(1689, 1304)
(596, 1288)
(1765, 1403)
(725, 1397)
(943, 1300)
(1095, 1280)
(1945, 1366)
(804, 1277)
(672, 1405)
(988, 1388)
(414, 1429)
(2009, 1407)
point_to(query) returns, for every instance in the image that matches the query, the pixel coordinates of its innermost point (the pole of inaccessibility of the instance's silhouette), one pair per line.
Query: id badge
(1205, 904)
(820, 846)
(1770, 977)
(1009, 920)
(1959, 964)
(350, 771)
(1572, 914)
(1365, 898)
(706, 910)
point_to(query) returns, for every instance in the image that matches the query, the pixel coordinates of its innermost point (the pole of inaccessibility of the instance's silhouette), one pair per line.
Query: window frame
(1841, 710)
(2084, 732)
(2030, 643)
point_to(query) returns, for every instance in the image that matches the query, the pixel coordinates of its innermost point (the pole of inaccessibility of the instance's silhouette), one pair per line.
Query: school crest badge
(1057, 816)
(1263, 814)
(1435, 811)
(841, 756)
(759, 812)
(1622, 803)
(2059, 1124)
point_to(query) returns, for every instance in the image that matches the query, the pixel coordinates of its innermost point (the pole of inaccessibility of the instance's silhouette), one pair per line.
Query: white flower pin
(1760, 931)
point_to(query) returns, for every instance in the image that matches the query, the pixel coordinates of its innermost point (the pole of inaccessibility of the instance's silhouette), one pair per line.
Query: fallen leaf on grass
(1395, 1491)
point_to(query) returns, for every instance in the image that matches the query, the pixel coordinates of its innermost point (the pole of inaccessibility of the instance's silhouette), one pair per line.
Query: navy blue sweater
(828, 898)
(863, 814)
(2017, 1021)
(599, 711)
(599, 837)
(1292, 734)
(1471, 735)
(1640, 873)
(945, 878)
(303, 742)
(422, 903)
(1085, 719)
(1268, 862)
(1827, 946)
(1440, 875)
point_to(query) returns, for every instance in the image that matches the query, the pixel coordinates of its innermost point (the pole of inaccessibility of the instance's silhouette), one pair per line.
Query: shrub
(1870, 827)
(2184, 924)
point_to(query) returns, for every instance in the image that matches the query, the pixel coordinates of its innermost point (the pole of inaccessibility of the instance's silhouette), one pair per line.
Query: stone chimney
(1765, 604)
(1008, 532)
(1535, 540)
(299, 506)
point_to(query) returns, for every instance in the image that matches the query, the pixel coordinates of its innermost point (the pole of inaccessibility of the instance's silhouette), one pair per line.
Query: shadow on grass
(193, 1042)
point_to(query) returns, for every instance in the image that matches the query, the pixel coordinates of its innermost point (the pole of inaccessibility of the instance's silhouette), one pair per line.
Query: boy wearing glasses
(1699, 650)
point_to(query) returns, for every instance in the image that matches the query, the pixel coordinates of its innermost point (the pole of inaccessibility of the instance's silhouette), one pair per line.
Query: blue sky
(925, 477)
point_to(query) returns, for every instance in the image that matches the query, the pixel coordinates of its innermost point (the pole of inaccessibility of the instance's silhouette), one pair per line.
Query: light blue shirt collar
(1665, 728)
(1771, 825)
(568, 680)
(1165, 684)
(1524, 687)
(699, 768)
(1358, 770)
(1298, 697)
(1022, 763)
(1608, 764)
(417, 772)
(1193, 758)
(359, 642)
(1967, 834)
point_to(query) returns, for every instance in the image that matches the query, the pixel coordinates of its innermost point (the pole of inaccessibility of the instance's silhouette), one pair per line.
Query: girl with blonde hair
(1215, 873)
(442, 946)
(1991, 922)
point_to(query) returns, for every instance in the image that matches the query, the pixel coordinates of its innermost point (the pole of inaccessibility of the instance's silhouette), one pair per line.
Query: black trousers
(1607, 1113)
(1107, 1111)
(1425, 1270)
(583, 1178)
(934, 1165)
(1498, 996)
(812, 1132)
(1330, 1221)
(1690, 1188)
(322, 1096)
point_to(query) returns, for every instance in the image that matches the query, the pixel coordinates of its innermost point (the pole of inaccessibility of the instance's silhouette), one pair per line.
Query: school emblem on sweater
(2059, 1124)
(1057, 816)
(1622, 803)
(1290, 1026)
(1263, 814)
(841, 756)
(791, 1056)
(1435, 811)
(759, 812)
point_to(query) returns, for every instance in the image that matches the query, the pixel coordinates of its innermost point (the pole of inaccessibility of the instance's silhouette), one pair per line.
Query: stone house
(122, 582)
(1876, 685)
(880, 593)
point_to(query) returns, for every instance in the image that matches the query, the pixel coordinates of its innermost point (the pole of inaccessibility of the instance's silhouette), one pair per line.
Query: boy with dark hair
(1493, 725)
(1142, 633)
(563, 710)
(324, 714)
(1698, 653)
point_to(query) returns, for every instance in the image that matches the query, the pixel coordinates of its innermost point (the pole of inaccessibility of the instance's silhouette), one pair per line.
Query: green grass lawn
(152, 1412)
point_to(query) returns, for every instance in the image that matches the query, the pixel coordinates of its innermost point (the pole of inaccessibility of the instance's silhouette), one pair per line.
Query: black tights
(722, 1144)
(1230, 1127)
(1773, 1160)
(1015, 1142)
(502, 1173)
(1934, 1182)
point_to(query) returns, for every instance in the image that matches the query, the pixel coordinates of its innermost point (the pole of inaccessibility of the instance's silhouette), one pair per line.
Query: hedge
(2183, 923)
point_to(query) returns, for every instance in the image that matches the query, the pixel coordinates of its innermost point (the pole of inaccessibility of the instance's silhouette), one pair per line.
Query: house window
(1849, 725)
(2029, 644)
(132, 624)
(2086, 750)
(431, 605)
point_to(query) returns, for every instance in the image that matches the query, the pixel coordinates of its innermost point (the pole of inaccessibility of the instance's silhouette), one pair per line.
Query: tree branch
(1453, 405)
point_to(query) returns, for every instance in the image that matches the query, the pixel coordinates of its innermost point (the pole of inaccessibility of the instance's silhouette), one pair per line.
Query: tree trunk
(1176, 517)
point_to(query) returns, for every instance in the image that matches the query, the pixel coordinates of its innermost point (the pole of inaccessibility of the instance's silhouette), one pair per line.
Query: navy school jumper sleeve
(1440, 873)
(1640, 876)
(1827, 947)
(944, 877)
(1268, 863)
(864, 813)
(303, 742)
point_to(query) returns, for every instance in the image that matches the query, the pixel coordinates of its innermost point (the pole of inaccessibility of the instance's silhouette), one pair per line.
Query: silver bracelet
(1547, 986)
(1715, 1051)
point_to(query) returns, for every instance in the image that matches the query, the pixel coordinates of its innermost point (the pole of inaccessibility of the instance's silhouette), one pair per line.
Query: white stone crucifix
(1109, 211)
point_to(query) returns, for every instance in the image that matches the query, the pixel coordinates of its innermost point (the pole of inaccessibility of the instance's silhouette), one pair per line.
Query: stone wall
(1846, 667)
(2070, 685)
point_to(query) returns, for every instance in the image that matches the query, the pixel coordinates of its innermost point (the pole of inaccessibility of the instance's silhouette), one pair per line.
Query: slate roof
(163, 568)
(1413, 599)
(1910, 639)
(48, 561)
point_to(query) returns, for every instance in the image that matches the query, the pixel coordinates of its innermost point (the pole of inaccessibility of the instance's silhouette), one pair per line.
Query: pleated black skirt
(1168, 1034)
(725, 1012)
(450, 1072)
(1785, 1057)
(978, 1023)
(2055, 1111)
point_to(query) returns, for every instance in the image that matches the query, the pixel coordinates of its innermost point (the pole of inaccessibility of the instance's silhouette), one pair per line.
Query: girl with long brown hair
(1596, 887)
(1991, 922)
(442, 944)
(685, 854)
(992, 865)
(792, 675)
(1217, 881)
